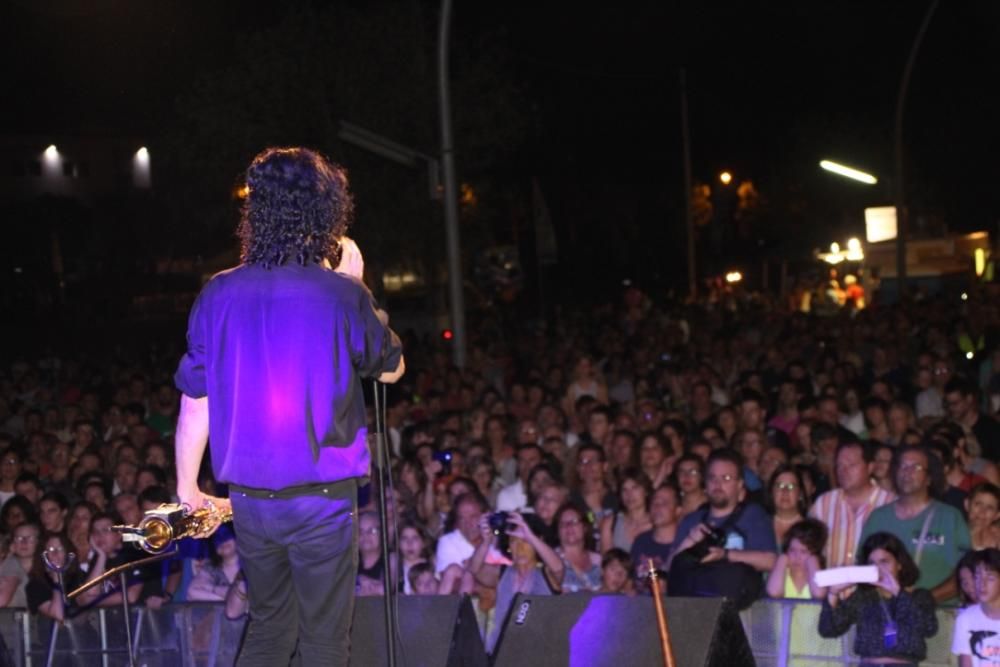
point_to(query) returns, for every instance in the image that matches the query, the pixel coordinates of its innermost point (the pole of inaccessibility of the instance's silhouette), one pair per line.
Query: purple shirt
(280, 353)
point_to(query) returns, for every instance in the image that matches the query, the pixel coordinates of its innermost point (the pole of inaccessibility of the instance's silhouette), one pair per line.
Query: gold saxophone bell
(160, 527)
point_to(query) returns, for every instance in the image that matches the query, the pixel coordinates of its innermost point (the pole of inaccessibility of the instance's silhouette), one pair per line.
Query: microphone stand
(381, 486)
(122, 573)
(59, 570)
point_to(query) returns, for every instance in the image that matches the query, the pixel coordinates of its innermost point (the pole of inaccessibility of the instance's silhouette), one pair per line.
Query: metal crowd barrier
(782, 633)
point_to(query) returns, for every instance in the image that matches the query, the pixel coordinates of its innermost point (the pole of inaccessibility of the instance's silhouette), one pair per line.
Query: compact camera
(498, 522)
(444, 458)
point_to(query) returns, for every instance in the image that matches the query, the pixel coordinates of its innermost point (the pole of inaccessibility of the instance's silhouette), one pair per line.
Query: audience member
(935, 532)
(976, 637)
(845, 509)
(894, 617)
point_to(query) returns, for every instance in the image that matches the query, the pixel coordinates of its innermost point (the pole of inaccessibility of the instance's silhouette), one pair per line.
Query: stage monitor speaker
(591, 630)
(436, 631)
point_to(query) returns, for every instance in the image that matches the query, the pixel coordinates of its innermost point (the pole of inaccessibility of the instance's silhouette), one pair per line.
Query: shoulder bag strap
(923, 534)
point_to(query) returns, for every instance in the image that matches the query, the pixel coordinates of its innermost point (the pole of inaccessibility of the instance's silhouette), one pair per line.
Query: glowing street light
(734, 277)
(141, 175)
(848, 172)
(852, 253)
(51, 153)
(725, 178)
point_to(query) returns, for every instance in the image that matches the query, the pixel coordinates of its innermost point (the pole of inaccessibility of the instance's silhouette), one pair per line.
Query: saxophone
(161, 526)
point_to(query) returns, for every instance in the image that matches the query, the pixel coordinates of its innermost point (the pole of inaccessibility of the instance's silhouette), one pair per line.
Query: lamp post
(902, 215)
(457, 300)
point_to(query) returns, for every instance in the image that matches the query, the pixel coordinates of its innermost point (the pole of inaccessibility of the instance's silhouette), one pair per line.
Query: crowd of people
(735, 448)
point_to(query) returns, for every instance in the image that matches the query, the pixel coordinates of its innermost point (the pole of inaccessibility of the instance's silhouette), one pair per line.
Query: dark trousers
(299, 556)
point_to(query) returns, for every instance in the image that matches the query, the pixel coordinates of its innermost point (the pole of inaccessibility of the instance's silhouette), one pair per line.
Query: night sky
(773, 88)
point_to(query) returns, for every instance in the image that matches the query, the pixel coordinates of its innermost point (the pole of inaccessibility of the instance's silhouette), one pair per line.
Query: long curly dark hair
(298, 205)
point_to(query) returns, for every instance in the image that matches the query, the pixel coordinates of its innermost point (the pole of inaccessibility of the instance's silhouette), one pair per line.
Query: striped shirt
(844, 524)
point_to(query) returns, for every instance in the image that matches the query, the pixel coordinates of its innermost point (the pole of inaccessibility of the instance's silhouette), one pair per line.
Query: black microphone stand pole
(381, 486)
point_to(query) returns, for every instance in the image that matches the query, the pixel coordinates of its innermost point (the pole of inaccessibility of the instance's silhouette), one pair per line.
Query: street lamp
(848, 172)
(725, 178)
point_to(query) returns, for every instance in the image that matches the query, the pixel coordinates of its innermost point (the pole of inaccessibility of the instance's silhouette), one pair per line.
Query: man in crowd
(960, 398)
(845, 509)
(934, 533)
(515, 496)
(750, 540)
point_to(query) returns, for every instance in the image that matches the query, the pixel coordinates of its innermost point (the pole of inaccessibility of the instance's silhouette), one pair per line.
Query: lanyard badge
(890, 634)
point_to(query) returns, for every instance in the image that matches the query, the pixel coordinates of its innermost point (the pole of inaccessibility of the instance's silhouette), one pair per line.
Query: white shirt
(978, 636)
(512, 498)
(454, 549)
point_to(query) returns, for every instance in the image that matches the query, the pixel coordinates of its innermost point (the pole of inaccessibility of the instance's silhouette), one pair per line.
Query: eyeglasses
(786, 486)
(569, 523)
(104, 530)
(721, 478)
(587, 462)
(26, 538)
(912, 467)
(690, 472)
(55, 550)
(371, 531)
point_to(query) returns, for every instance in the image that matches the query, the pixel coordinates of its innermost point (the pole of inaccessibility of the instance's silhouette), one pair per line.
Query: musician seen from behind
(277, 349)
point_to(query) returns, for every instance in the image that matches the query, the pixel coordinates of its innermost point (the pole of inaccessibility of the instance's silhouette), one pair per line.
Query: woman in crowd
(787, 500)
(893, 618)
(654, 459)
(415, 485)
(774, 457)
(727, 422)
(78, 531)
(14, 571)
(619, 530)
(592, 490)
(214, 579)
(801, 558)
(535, 568)
(541, 476)
(882, 470)
(484, 473)
(853, 419)
(792, 577)
(10, 468)
(965, 578)
(689, 473)
(370, 563)
(45, 596)
(16, 511)
(583, 563)
(586, 382)
(983, 509)
(413, 549)
(548, 502)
